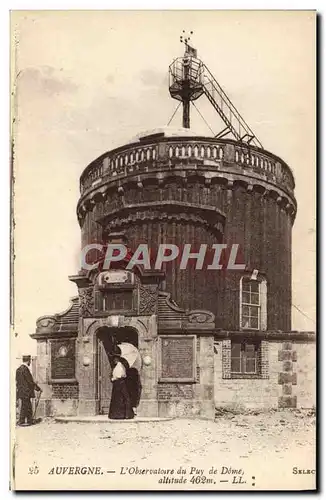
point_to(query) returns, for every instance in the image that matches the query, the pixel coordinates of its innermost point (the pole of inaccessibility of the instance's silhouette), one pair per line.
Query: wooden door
(104, 379)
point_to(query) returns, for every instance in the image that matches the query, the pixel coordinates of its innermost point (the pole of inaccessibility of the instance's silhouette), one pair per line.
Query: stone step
(104, 418)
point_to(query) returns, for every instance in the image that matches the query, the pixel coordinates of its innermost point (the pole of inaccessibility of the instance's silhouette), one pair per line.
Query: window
(253, 306)
(118, 300)
(244, 357)
(250, 304)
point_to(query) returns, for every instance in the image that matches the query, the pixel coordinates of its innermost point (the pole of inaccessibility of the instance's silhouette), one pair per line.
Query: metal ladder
(227, 111)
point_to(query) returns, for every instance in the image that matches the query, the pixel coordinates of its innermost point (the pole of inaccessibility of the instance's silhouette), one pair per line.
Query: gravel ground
(261, 444)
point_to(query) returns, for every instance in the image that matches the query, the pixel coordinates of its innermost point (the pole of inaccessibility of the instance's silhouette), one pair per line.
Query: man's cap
(26, 358)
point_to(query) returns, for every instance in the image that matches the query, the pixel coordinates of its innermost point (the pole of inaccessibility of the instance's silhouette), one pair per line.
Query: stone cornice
(165, 210)
(271, 335)
(184, 171)
(277, 336)
(229, 177)
(51, 335)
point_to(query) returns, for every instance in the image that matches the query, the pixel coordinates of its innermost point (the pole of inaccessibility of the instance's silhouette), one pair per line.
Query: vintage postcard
(163, 250)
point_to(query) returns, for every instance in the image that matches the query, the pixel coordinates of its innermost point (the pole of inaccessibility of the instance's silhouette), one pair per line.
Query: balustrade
(135, 159)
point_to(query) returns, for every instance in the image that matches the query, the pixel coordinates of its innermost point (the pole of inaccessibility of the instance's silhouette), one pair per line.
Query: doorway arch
(106, 339)
(109, 334)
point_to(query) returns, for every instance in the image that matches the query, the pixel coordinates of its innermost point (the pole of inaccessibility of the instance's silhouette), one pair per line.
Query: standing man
(25, 387)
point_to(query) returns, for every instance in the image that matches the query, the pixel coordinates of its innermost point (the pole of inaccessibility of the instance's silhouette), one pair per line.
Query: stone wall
(287, 378)
(246, 393)
(306, 374)
(65, 391)
(56, 398)
(191, 399)
(289, 383)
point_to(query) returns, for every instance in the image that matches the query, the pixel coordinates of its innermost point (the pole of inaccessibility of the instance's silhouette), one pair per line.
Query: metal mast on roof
(189, 78)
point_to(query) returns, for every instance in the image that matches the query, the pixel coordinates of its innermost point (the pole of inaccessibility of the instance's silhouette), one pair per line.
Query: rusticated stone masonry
(175, 391)
(65, 391)
(287, 377)
(197, 358)
(226, 358)
(263, 358)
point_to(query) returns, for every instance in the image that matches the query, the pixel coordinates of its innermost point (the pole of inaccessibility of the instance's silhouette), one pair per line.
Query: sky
(85, 82)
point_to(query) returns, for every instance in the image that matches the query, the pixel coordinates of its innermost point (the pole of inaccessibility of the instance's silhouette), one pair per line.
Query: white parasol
(131, 354)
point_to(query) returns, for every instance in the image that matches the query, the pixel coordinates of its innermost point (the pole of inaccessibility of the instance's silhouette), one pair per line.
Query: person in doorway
(134, 387)
(25, 391)
(120, 405)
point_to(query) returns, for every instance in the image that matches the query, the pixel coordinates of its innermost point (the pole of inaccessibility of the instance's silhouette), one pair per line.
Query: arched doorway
(107, 338)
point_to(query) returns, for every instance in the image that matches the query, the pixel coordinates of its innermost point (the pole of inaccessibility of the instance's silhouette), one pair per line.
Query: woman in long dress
(134, 387)
(120, 405)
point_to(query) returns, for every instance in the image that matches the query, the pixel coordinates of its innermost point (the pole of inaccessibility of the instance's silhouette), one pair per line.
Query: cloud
(152, 78)
(45, 80)
(110, 78)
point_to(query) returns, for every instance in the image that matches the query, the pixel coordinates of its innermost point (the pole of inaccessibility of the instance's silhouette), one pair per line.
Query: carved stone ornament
(171, 316)
(200, 317)
(148, 300)
(86, 302)
(45, 322)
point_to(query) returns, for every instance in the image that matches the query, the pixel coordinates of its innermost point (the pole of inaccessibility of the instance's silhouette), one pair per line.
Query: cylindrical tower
(194, 328)
(171, 186)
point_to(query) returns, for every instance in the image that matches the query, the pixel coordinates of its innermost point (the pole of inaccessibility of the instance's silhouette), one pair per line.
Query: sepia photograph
(163, 250)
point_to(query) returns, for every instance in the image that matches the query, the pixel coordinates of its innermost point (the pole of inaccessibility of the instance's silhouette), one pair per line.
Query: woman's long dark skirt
(120, 405)
(134, 386)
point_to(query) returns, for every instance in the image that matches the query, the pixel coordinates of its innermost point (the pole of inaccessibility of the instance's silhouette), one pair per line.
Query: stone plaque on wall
(178, 358)
(63, 355)
(117, 277)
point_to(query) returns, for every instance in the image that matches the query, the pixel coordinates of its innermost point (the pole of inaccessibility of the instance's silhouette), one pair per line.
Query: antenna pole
(186, 95)
(185, 92)
(186, 113)
(189, 78)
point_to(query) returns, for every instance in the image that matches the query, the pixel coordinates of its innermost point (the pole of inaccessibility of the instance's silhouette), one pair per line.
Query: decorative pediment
(171, 316)
(65, 322)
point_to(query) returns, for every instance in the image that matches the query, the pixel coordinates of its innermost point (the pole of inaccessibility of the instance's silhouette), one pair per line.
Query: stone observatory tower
(207, 336)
